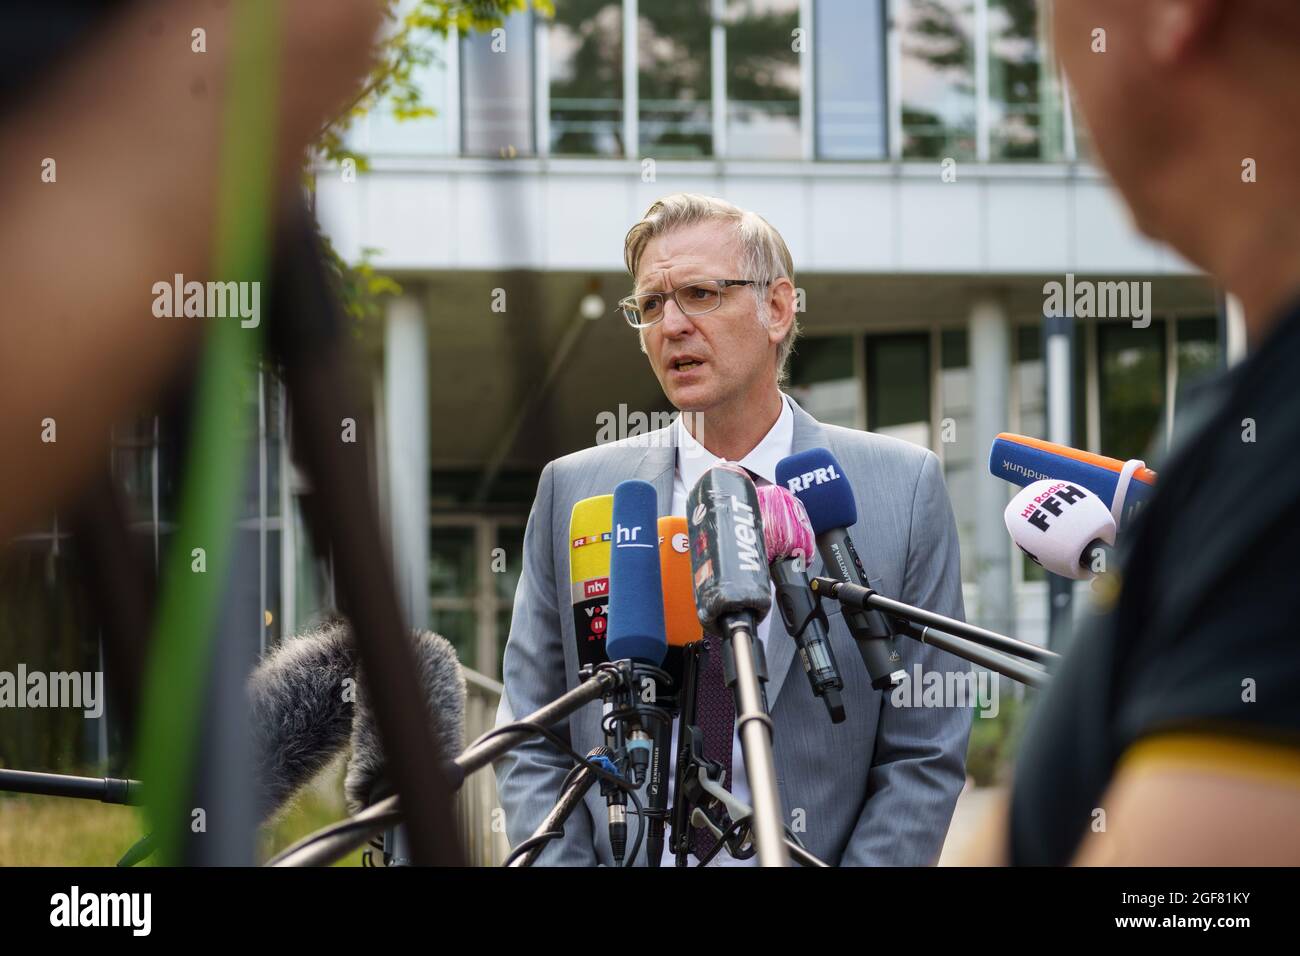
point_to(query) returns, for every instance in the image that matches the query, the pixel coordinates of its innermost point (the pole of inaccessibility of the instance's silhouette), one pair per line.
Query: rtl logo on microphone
(1052, 501)
(818, 476)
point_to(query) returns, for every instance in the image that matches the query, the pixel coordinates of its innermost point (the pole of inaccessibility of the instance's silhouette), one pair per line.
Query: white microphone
(1060, 525)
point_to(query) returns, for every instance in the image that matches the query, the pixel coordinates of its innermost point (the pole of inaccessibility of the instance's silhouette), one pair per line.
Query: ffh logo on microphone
(1052, 502)
(818, 476)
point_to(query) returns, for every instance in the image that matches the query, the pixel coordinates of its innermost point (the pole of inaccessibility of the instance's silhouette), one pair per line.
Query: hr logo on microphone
(625, 536)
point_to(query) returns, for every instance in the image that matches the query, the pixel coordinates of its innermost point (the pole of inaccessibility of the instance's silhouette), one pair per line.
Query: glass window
(1131, 366)
(510, 539)
(956, 436)
(1031, 379)
(1198, 352)
(586, 65)
(898, 386)
(386, 132)
(938, 78)
(1025, 111)
(852, 107)
(504, 615)
(822, 379)
(497, 89)
(451, 562)
(674, 61)
(459, 626)
(762, 79)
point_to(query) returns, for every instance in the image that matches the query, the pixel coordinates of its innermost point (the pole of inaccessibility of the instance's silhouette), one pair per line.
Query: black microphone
(816, 479)
(789, 540)
(733, 593)
(728, 556)
(300, 711)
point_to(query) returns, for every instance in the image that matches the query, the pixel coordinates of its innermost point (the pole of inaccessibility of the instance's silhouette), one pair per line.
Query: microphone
(636, 604)
(681, 628)
(1123, 486)
(788, 535)
(733, 592)
(636, 631)
(1060, 526)
(589, 537)
(681, 619)
(732, 584)
(443, 684)
(816, 479)
(300, 711)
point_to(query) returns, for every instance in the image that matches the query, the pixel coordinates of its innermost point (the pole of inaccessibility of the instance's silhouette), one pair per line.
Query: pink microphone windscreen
(787, 532)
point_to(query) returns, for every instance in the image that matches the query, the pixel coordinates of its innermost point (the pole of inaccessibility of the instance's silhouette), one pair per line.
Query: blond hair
(764, 257)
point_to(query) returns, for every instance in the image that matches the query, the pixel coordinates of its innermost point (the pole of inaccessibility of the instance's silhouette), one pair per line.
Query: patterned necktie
(715, 715)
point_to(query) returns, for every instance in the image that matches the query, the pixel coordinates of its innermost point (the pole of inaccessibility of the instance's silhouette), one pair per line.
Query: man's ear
(780, 308)
(1175, 29)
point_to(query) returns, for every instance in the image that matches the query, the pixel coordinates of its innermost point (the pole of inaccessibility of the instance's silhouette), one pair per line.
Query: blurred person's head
(742, 343)
(1184, 94)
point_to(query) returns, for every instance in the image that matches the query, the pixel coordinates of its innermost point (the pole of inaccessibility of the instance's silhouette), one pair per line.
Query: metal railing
(479, 811)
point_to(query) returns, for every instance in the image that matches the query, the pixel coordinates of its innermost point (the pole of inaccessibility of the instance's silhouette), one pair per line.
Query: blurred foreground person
(1171, 733)
(111, 150)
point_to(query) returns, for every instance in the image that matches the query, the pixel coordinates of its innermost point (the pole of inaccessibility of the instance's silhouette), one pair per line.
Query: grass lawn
(58, 831)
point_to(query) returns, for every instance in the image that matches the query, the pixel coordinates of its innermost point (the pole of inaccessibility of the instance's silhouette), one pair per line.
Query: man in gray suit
(714, 310)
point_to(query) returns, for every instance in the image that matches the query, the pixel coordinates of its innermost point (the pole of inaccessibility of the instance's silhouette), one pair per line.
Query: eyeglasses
(697, 298)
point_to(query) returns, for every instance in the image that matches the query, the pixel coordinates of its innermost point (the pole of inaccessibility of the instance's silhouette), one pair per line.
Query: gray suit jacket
(878, 788)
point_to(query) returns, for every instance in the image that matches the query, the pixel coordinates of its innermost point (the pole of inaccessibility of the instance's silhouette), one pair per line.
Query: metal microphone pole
(744, 667)
(967, 641)
(553, 826)
(856, 596)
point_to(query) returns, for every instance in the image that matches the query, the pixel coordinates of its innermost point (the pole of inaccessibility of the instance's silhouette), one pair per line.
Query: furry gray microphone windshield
(300, 697)
(444, 688)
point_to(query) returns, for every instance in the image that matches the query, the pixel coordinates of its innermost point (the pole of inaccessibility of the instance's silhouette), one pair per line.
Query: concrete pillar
(406, 444)
(990, 358)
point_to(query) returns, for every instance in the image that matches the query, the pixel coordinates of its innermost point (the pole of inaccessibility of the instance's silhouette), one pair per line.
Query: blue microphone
(636, 602)
(816, 479)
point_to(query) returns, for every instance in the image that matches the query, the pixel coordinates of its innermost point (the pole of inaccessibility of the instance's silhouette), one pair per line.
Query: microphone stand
(745, 670)
(337, 840)
(571, 796)
(967, 641)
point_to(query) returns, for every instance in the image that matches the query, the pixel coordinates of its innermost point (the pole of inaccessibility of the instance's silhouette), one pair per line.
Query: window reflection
(850, 79)
(822, 379)
(1025, 113)
(762, 79)
(938, 78)
(898, 386)
(674, 80)
(1132, 388)
(497, 89)
(586, 65)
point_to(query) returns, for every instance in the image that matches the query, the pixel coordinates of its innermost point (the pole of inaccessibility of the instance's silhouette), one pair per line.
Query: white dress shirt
(693, 460)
